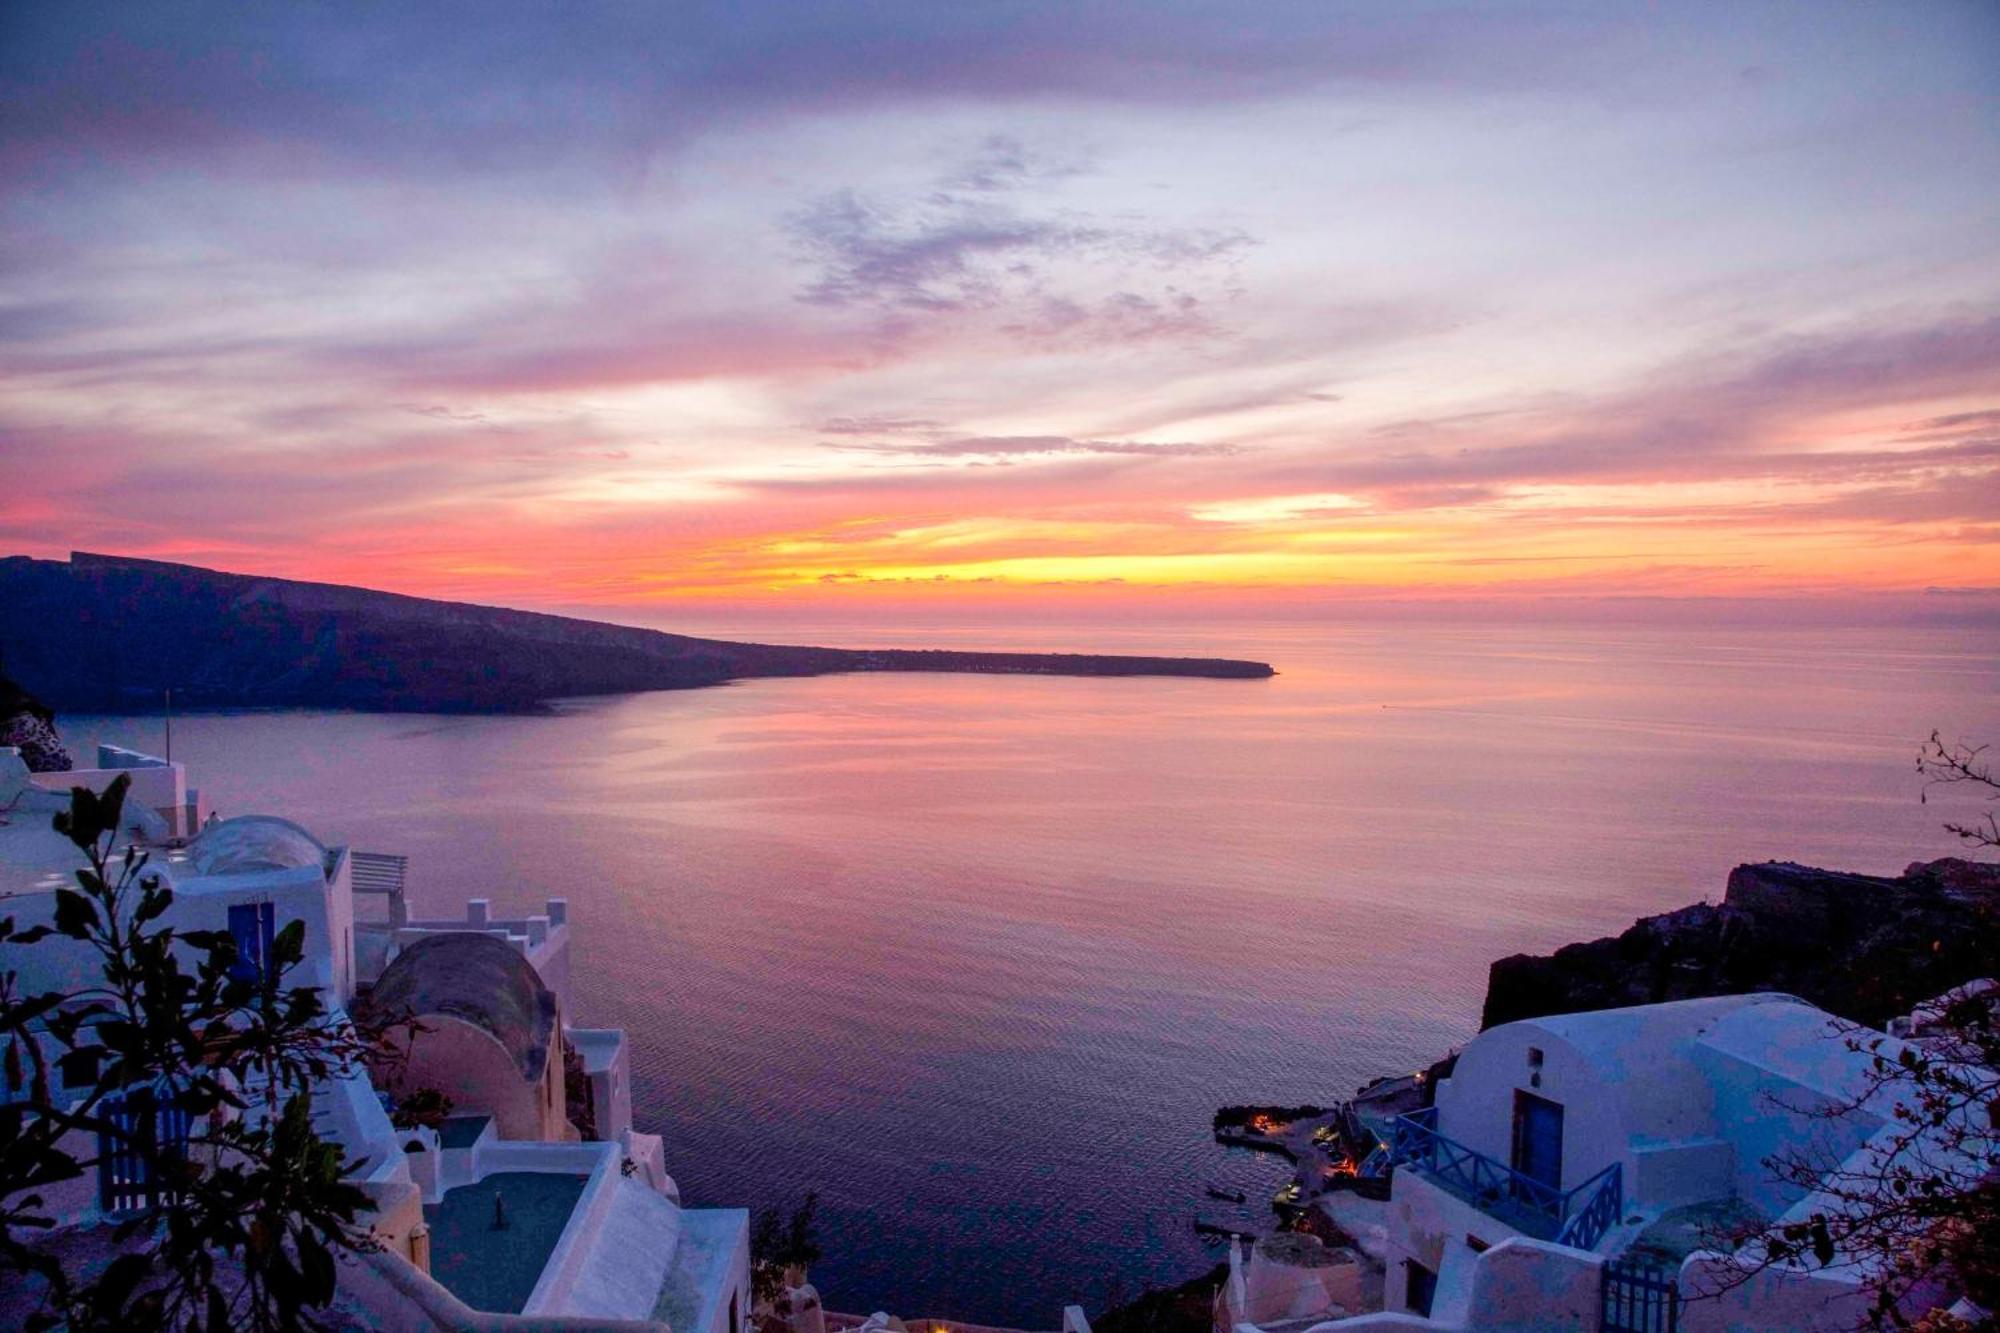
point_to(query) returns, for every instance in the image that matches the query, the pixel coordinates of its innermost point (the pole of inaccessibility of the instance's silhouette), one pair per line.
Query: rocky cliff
(1867, 947)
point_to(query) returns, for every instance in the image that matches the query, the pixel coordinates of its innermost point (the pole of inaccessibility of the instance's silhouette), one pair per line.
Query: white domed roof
(253, 843)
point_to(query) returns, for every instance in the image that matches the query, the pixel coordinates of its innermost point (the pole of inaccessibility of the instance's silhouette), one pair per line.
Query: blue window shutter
(252, 925)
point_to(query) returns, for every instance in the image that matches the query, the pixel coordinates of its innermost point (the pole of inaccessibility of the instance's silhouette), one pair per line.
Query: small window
(1420, 1288)
(1534, 1057)
(1476, 1245)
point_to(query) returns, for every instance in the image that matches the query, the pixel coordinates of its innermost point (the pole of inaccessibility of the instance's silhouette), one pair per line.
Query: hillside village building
(541, 1114)
(1586, 1171)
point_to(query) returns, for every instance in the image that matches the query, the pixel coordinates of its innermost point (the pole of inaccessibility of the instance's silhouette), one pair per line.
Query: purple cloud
(959, 249)
(879, 425)
(1022, 446)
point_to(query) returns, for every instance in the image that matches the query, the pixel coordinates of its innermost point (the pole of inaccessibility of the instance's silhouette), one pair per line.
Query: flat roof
(496, 1269)
(695, 1283)
(34, 858)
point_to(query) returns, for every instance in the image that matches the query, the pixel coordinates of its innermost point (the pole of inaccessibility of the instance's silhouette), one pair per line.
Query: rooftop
(252, 843)
(478, 979)
(34, 858)
(701, 1262)
(496, 1269)
(1715, 1224)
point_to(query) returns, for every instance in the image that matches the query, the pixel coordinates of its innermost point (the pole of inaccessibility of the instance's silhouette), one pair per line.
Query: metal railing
(1604, 1201)
(1577, 1217)
(1376, 1164)
(379, 872)
(382, 874)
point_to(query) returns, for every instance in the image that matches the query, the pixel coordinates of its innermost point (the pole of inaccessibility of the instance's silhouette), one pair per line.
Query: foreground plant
(777, 1244)
(247, 1211)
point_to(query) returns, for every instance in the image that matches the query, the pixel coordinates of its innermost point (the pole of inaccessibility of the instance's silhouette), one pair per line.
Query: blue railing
(1376, 1164)
(1604, 1200)
(1578, 1217)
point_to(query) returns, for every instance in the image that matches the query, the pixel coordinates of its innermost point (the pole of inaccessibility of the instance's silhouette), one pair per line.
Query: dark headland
(107, 633)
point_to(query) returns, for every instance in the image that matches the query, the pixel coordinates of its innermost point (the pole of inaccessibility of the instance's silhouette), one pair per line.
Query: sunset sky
(830, 307)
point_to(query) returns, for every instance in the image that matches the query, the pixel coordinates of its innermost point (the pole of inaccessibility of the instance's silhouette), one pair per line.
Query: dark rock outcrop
(111, 634)
(27, 725)
(1867, 947)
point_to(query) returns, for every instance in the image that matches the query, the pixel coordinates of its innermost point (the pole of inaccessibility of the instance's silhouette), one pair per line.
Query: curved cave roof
(1644, 1057)
(252, 843)
(479, 979)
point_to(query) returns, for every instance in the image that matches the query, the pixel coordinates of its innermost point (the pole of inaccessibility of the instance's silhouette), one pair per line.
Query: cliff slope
(107, 633)
(1866, 947)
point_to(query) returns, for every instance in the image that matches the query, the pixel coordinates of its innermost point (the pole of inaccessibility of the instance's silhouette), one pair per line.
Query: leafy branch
(251, 1207)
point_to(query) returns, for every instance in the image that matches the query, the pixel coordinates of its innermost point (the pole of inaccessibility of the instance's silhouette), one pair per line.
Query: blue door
(1538, 1139)
(251, 926)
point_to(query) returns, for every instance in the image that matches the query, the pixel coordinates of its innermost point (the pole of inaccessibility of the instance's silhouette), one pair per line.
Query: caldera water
(977, 957)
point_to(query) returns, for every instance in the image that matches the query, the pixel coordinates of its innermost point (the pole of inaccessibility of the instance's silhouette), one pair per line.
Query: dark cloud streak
(480, 87)
(958, 251)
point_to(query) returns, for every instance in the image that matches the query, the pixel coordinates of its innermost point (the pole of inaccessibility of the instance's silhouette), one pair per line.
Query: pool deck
(496, 1270)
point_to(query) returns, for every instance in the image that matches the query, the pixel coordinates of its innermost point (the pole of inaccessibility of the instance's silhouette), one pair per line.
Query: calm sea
(976, 957)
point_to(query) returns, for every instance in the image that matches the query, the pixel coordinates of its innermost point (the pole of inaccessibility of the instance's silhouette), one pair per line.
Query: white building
(1575, 1170)
(596, 1229)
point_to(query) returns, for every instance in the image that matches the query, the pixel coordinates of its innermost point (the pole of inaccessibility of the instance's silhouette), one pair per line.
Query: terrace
(159, 785)
(698, 1280)
(495, 1268)
(1577, 1217)
(542, 938)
